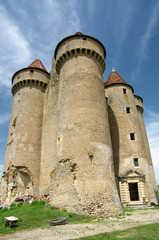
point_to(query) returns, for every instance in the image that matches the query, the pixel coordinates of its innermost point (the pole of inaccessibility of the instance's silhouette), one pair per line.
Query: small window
(136, 162)
(124, 90)
(31, 70)
(128, 109)
(84, 38)
(132, 136)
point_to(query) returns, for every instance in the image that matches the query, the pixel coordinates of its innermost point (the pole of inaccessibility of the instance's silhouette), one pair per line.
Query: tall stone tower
(132, 158)
(22, 160)
(84, 152)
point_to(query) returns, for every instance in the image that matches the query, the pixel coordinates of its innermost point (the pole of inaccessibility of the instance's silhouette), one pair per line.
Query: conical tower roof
(37, 64)
(78, 33)
(115, 78)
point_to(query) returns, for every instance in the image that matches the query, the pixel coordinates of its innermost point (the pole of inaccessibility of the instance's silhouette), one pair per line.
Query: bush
(20, 204)
(41, 202)
(53, 208)
(13, 205)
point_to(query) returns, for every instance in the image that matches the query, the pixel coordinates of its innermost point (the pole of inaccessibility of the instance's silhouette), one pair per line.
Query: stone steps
(138, 205)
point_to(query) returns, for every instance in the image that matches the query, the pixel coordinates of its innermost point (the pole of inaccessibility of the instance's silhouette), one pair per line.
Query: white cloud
(52, 21)
(91, 8)
(60, 17)
(120, 25)
(4, 118)
(1, 170)
(152, 126)
(151, 30)
(14, 48)
(30, 33)
(2, 139)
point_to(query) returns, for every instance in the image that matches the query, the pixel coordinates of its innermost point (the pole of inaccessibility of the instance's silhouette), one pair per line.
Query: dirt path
(72, 231)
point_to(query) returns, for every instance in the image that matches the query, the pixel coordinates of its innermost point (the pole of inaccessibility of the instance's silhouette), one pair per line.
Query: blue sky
(129, 30)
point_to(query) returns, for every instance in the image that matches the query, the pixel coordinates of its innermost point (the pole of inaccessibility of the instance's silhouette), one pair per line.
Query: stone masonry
(75, 138)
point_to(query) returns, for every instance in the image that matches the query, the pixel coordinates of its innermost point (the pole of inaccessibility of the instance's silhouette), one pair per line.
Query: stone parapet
(30, 83)
(139, 104)
(79, 52)
(140, 109)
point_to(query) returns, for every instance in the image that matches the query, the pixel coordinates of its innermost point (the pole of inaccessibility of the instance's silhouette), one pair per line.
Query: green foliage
(147, 232)
(13, 205)
(53, 208)
(35, 215)
(41, 202)
(156, 193)
(20, 205)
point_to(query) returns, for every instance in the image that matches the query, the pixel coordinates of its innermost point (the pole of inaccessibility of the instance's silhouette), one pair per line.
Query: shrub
(41, 202)
(13, 205)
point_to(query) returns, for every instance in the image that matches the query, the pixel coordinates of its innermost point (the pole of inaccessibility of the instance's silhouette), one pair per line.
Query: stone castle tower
(76, 138)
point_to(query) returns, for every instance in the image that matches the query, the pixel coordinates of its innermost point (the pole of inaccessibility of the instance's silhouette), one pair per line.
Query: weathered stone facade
(69, 138)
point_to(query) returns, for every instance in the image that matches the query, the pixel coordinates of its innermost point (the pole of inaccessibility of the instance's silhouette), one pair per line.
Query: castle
(76, 138)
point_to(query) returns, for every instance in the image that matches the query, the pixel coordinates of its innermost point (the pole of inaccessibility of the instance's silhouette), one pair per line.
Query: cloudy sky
(129, 30)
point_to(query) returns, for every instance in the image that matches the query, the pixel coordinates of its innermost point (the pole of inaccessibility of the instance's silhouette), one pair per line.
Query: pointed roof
(115, 78)
(37, 64)
(78, 33)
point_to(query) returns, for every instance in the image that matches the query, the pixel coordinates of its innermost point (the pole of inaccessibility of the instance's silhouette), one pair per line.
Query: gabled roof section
(37, 64)
(115, 78)
(132, 173)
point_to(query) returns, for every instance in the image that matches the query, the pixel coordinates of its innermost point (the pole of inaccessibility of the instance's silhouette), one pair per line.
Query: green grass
(146, 232)
(35, 215)
(137, 209)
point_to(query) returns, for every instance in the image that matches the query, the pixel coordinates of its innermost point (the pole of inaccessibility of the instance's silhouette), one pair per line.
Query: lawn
(36, 215)
(146, 232)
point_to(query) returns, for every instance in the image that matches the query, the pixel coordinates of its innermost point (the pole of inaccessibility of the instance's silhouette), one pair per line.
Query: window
(132, 136)
(128, 109)
(31, 70)
(136, 162)
(84, 38)
(124, 90)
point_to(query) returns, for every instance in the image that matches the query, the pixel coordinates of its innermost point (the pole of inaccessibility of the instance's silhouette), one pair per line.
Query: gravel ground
(73, 231)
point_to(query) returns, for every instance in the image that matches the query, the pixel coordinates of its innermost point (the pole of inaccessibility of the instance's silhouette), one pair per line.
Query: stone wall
(127, 134)
(24, 140)
(84, 167)
(49, 132)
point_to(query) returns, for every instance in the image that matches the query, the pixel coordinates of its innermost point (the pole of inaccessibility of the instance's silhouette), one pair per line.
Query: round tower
(129, 150)
(140, 109)
(22, 160)
(84, 168)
